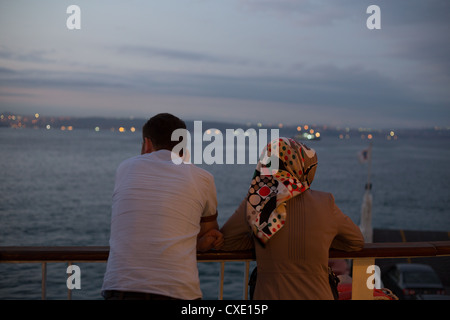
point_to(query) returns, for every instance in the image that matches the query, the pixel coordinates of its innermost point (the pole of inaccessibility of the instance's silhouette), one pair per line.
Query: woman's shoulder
(320, 194)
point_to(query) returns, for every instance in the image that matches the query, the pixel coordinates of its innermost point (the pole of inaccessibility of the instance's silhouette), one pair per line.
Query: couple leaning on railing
(165, 210)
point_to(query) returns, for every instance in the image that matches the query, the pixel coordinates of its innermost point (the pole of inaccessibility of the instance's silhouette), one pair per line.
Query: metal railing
(361, 259)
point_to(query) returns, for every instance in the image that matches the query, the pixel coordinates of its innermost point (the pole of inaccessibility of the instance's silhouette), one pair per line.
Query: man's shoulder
(129, 163)
(130, 160)
(201, 172)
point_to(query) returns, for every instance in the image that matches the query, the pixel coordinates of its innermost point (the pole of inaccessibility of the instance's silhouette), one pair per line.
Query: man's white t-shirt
(156, 212)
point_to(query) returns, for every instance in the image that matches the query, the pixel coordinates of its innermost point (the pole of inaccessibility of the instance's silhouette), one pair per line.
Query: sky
(268, 61)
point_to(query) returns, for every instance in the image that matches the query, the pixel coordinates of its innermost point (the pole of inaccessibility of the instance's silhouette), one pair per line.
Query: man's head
(157, 132)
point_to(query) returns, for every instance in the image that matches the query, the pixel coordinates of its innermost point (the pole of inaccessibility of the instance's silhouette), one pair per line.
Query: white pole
(369, 165)
(366, 207)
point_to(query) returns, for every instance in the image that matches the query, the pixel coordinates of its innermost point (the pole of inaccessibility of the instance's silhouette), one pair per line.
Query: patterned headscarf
(269, 190)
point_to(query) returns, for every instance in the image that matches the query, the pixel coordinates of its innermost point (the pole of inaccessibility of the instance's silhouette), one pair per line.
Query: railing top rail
(397, 250)
(100, 253)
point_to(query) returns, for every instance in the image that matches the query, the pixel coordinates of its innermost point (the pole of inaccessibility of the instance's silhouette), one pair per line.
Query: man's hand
(212, 239)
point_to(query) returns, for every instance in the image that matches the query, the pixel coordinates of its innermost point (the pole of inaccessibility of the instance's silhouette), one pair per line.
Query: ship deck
(440, 264)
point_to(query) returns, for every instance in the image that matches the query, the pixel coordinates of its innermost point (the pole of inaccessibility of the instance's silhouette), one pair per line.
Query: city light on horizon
(310, 131)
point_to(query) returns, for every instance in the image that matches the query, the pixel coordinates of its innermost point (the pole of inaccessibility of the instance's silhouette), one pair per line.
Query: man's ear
(147, 146)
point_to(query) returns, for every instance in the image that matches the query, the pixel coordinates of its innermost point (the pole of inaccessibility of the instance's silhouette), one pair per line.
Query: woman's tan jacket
(294, 263)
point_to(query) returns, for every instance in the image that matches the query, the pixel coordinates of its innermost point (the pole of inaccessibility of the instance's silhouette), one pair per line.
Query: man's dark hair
(159, 130)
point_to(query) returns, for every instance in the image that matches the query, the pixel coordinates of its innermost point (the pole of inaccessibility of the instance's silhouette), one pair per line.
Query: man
(163, 211)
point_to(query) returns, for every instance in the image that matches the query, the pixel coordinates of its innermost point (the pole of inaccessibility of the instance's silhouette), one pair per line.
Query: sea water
(56, 187)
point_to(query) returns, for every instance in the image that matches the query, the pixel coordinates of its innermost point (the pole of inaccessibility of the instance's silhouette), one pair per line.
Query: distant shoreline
(10, 120)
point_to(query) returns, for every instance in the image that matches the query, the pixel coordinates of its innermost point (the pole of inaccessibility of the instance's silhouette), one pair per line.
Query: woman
(290, 226)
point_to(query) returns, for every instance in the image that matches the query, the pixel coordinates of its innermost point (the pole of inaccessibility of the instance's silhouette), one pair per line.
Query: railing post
(360, 289)
(222, 272)
(247, 270)
(69, 291)
(43, 280)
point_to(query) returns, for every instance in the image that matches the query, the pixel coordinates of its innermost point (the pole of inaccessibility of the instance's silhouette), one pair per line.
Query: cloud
(6, 71)
(351, 90)
(314, 12)
(148, 51)
(41, 78)
(322, 85)
(414, 12)
(310, 13)
(38, 56)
